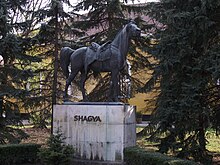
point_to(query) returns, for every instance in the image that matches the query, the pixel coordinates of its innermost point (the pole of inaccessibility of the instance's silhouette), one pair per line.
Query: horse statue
(109, 57)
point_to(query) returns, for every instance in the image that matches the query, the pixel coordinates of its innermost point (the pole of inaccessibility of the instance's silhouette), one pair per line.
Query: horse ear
(132, 21)
(128, 26)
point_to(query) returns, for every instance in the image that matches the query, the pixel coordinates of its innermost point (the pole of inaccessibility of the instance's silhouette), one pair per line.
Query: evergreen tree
(188, 70)
(48, 36)
(15, 42)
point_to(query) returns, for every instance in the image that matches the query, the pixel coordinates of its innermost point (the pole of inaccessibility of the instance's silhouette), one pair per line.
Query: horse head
(133, 30)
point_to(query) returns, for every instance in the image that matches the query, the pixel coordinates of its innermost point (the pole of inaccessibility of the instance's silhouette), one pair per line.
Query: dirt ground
(37, 135)
(40, 136)
(216, 160)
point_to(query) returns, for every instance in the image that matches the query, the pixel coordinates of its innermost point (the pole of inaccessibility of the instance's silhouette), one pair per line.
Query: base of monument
(95, 162)
(98, 131)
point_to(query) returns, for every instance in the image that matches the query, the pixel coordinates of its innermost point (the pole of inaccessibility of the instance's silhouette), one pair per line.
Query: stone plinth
(97, 131)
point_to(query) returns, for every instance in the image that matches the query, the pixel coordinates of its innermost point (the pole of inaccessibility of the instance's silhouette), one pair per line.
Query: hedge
(18, 153)
(138, 156)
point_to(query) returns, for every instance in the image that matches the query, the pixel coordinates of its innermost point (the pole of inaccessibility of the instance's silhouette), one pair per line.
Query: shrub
(138, 156)
(18, 153)
(57, 153)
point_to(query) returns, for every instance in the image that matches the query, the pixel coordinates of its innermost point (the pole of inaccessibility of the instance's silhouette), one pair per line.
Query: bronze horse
(109, 57)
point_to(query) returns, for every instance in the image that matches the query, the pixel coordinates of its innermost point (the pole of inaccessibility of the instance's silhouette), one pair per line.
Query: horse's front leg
(82, 85)
(114, 88)
(111, 92)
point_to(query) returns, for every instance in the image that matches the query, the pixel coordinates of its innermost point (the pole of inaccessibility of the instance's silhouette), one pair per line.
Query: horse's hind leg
(82, 85)
(68, 82)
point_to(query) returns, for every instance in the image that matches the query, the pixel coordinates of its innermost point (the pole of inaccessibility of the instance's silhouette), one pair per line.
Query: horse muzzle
(137, 33)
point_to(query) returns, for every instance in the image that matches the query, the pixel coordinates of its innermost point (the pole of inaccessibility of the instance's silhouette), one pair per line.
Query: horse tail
(65, 55)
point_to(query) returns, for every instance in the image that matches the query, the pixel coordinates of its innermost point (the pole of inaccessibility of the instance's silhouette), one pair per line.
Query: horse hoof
(116, 100)
(110, 100)
(85, 100)
(65, 99)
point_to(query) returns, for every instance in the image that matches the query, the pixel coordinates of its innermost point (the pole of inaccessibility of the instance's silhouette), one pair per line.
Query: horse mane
(119, 32)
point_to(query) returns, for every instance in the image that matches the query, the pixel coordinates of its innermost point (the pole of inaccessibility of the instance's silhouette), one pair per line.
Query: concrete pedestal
(97, 131)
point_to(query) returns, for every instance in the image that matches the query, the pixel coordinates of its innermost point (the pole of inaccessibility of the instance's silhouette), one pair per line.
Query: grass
(143, 143)
(213, 142)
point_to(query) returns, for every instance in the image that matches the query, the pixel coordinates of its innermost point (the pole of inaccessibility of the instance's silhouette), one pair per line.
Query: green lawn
(213, 144)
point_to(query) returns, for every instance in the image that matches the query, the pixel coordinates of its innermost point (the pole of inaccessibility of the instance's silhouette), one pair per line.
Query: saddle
(96, 52)
(99, 48)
